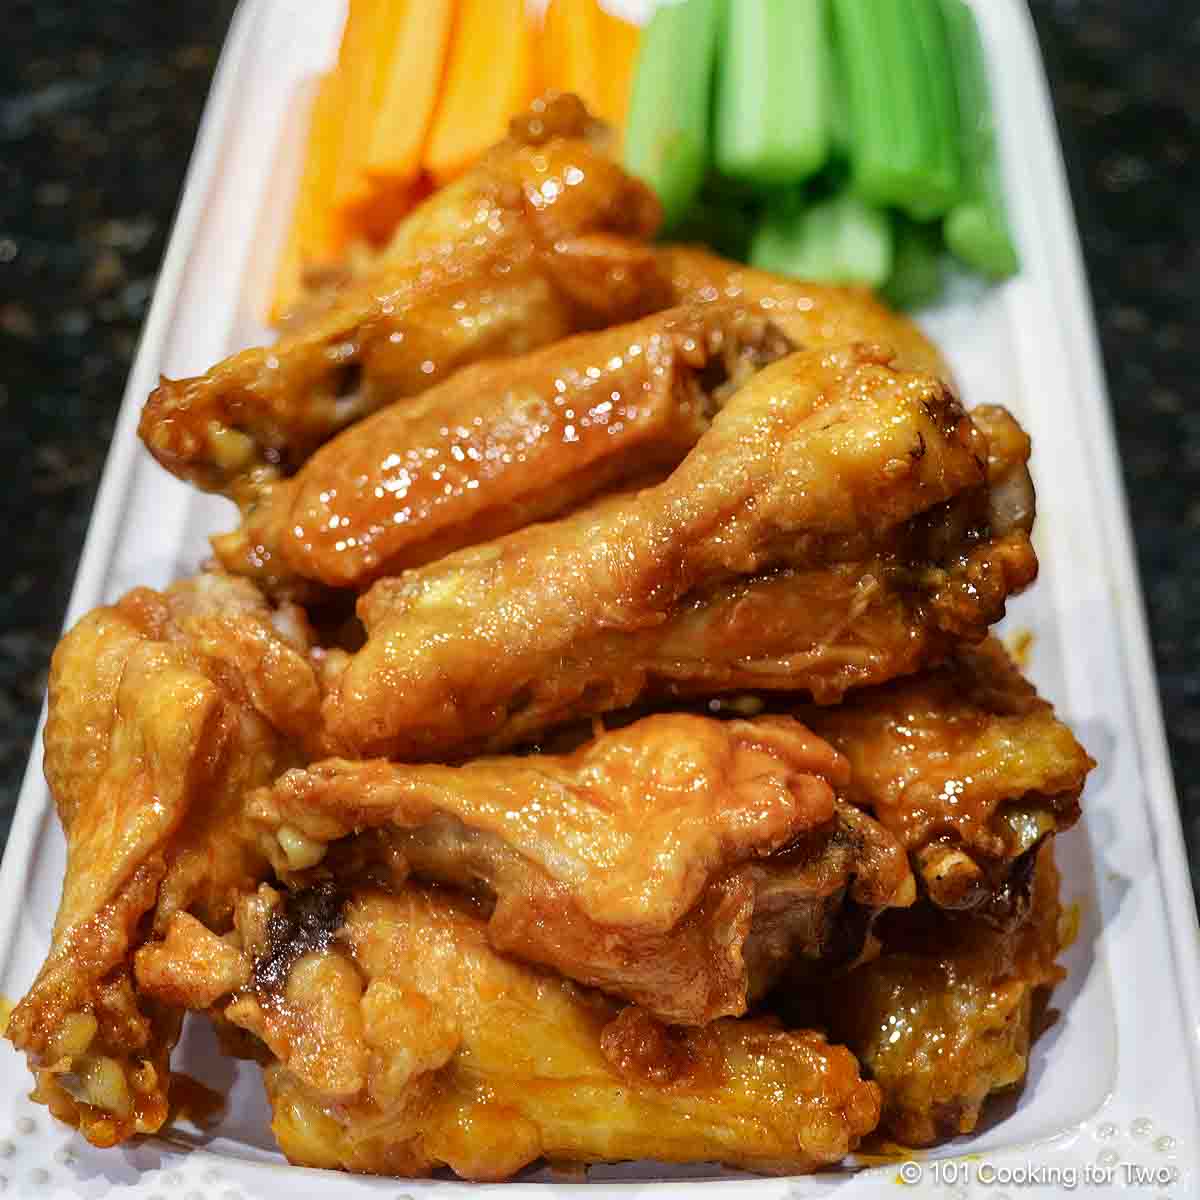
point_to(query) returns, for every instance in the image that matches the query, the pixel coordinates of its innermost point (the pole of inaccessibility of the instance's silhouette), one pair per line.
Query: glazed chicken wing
(536, 241)
(812, 315)
(497, 446)
(402, 1042)
(944, 1017)
(821, 458)
(633, 864)
(163, 710)
(967, 766)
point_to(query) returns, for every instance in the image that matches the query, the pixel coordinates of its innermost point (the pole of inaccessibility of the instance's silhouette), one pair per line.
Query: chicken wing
(634, 863)
(163, 710)
(967, 766)
(497, 446)
(944, 1017)
(403, 1042)
(536, 241)
(812, 315)
(824, 457)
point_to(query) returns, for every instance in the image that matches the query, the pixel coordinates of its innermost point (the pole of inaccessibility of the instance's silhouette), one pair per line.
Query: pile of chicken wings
(588, 745)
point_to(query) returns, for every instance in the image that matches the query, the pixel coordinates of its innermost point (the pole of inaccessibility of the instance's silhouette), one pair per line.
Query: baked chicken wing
(499, 445)
(968, 767)
(944, 1017)
(634, 864)
(536, 241)
(822, 458)
(164, 709)
(400, 1041)
(812, 315)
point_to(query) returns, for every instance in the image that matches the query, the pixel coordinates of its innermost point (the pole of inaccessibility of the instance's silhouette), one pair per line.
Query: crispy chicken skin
(164, 709)
(823, 457)
(499, 445)
(945, 1015)
(538, 240)
(812, 315)
(632, 864)
(967, 766)
(403, 1042)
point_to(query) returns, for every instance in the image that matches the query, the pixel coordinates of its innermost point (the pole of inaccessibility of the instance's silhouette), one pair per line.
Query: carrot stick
(571, 50)
(368, 45)
(618, 58)
(411, 88)
(310, 236)
(489, 78)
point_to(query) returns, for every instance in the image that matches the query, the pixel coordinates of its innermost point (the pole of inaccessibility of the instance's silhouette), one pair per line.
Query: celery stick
(720, 219)
(875, 56)
(943, 181)
(976, 230)
(772, 114)
(916, 277)
(838, 240)
(895, 65)
(667, 142)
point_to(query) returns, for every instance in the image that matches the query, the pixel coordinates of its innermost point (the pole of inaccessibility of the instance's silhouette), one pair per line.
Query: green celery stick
(893, 59)
(667, 142)
(916, 277)
(720, 219)
(876, 53)
(838, 240)
(976, 230)
(943, 182)
(772, 113)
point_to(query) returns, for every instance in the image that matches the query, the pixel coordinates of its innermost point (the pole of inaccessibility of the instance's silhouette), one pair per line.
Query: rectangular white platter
(1114, 1083)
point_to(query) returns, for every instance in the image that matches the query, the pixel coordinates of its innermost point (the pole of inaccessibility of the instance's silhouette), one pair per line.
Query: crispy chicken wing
(967, 766)
(944, 1017)
(812, 315)
(537, 240)
(499, 445)
(403, 1042)
(164, 709)
(821, 458)
(633, 864)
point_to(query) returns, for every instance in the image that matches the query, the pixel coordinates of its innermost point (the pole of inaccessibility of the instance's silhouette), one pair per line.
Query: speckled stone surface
(98, 108)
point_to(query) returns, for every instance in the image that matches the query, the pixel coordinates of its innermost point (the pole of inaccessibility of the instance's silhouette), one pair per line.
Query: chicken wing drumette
(164, 710)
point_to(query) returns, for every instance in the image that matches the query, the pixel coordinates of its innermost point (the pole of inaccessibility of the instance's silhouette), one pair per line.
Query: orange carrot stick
(618, 57)
(489, 77)
(411, 88)
(571, 50)
(310, 237)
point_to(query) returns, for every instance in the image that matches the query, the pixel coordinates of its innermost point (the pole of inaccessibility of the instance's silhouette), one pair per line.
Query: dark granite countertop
(98, 108)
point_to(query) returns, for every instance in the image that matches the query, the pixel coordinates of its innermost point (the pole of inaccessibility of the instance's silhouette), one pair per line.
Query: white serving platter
(1111, 1099)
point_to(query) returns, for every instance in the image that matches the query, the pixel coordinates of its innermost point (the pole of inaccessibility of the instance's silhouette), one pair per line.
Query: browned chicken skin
(812, 315)
(539, 239)
(746, 484)
(164, 709)
(632, 864)
(403, 1042)
(945, 1015)
(967, 766)
(821, 458)
(497, 446)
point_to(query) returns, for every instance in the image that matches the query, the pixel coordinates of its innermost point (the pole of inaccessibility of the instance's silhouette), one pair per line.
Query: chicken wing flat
(633, 864)
(499, 445)
(944, 1017)
(401, 1041)
(824, 457)
(163, 710)
(812, 315)
(967, 766)
(537, 241)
